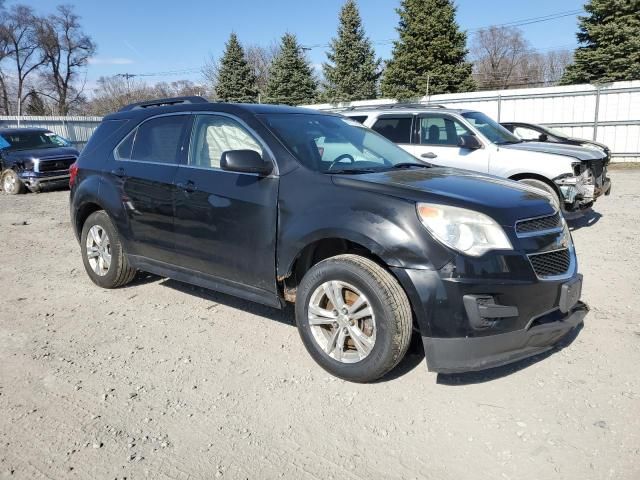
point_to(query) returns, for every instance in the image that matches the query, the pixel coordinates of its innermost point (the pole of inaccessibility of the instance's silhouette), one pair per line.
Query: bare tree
(260, 59)
(66, 49)
(498, 54)
(18, 28)
(5, 53)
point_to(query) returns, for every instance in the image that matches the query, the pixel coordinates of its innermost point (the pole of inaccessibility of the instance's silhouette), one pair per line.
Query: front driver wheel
(354, 318)
(11, 183)
(102, 252)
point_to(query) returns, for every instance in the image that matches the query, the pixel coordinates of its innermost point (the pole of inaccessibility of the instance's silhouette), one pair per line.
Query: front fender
(386, 226)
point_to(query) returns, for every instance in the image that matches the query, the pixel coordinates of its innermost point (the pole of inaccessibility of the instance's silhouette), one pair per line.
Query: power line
(514, 23)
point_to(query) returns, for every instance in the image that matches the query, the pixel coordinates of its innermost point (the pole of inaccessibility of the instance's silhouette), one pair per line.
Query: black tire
(388, 301)
(11, 183)
(119, 272)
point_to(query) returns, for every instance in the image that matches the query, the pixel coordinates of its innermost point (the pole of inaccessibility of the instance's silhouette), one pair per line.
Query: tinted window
(441, 130)
(331, 144)
(396, 129)
(212, 135)
(123, 151)
(158, 139)
(359, 118)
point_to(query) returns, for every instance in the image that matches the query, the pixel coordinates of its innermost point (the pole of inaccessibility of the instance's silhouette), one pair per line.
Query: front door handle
(429, 155)
(118, 172)
(188, 186)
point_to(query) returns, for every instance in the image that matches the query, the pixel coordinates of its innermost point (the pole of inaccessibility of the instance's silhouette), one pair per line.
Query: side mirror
(543, 137)
(245, 161)
(470, 142)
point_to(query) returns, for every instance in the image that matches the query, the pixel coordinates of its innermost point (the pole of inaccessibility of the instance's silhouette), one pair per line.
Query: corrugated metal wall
(609, 114)
(76, 129)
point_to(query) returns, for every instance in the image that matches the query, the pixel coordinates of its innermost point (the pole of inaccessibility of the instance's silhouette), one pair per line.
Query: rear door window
(157, 140)
(396, 129)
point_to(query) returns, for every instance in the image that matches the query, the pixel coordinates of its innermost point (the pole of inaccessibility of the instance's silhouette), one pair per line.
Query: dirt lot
(165, 381)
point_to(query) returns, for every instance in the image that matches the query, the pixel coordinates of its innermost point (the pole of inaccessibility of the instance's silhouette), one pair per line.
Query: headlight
(466, 231)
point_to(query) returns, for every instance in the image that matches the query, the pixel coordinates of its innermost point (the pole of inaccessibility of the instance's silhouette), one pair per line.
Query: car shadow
(415, 354)
(469, 378)
(589, 218)
(285, 315)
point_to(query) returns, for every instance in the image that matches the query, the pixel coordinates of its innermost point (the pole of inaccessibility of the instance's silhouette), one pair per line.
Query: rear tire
(11, 183)
(368, 332)
(102, 252)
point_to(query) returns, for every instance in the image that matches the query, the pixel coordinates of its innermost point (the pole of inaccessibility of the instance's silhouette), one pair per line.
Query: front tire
(11, 183)
(102, 252)
(555, 198)
(354, 318)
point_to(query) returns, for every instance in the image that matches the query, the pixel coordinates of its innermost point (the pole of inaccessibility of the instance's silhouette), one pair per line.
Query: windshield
(331, 144)
(31, 140)
(491, 129)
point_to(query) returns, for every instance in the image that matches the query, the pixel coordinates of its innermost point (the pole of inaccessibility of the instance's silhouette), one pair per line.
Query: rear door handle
(118, 172)
(188, 186)
(429, 155)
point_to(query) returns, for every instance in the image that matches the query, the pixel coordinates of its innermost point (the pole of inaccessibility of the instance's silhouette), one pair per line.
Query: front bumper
(35, 180)
(454, 355)
(473, 320)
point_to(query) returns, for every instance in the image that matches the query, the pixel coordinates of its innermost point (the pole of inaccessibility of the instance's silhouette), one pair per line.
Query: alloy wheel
(342, 321)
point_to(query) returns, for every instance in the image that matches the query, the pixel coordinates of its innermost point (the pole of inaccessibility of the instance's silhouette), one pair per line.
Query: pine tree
(352, 70)
(36, 105)
(235, 79)
(291, 79)
(430, 52)
(609, 48)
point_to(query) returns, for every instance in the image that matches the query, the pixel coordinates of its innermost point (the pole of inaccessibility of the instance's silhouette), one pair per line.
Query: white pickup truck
(573, 176)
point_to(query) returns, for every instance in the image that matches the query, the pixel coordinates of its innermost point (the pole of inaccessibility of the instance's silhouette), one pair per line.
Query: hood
(504, 200)
(40, 153)
(575, 151)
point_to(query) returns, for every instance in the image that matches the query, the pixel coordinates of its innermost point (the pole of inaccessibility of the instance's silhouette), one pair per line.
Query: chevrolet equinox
(279, 204)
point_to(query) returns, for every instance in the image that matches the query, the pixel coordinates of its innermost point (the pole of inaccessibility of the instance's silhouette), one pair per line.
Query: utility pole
(127, 77)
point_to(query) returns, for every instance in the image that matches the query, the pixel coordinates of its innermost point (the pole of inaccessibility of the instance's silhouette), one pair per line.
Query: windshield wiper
(353, 171)
(509, 142)
(410, 164)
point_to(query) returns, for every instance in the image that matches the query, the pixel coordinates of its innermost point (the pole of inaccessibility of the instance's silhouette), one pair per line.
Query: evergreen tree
(36, 105)
(431, 51)
(352, 70)
(610, 46)
(291, 79)
(235, 81)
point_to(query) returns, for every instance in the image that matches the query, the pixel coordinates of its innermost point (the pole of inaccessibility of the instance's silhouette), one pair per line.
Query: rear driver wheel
(354, 318)
(102, 252)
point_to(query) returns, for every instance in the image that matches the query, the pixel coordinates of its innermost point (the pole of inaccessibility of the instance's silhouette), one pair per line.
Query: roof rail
(162, 102)
(390, 106)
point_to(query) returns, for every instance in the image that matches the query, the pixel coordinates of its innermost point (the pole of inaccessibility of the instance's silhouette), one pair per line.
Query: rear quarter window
(396, 129)
(107, 131)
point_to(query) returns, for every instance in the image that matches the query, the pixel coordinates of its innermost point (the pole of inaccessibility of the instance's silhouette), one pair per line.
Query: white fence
(609, 114)
(76, 129)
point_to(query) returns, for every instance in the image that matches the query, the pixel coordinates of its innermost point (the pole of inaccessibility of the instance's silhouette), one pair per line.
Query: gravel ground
(161, 380)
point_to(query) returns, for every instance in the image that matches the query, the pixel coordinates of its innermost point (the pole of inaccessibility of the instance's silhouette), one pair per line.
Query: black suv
(31, 158)
(280, 204)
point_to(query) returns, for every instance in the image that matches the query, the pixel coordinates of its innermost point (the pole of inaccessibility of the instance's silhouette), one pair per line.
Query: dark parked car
(531, 132)
(279, 204)
(31, 158)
